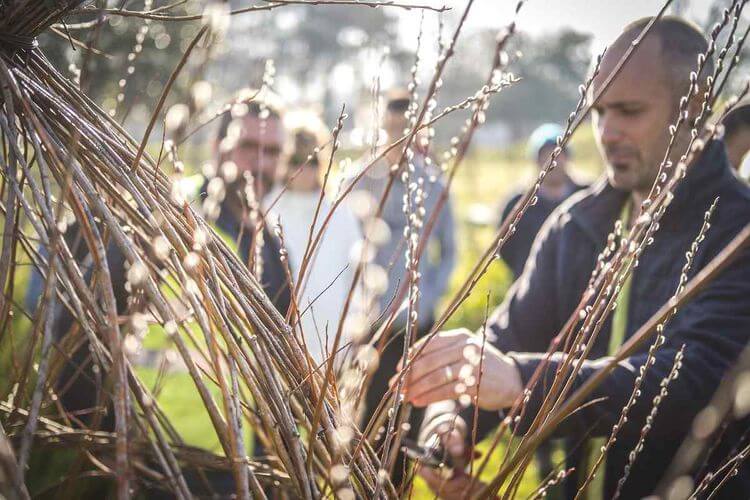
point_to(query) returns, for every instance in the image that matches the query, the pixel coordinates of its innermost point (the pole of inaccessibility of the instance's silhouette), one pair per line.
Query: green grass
(181, 403)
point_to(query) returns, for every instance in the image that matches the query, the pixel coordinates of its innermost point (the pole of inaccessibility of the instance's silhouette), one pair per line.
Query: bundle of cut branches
(76, 192)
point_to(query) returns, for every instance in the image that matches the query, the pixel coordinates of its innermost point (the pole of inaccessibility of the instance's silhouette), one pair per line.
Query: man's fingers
(439, 352)
(428, 395)
(445, 362)
(432, 477)
(450, 488)
(440, 341)
(438, 376)
(431, 369)
(443, 376)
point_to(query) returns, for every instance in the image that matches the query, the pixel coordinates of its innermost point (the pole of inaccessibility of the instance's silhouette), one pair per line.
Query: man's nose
(609, 130)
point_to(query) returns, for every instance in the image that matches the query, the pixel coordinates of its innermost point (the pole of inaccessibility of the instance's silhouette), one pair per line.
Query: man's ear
(697, 100)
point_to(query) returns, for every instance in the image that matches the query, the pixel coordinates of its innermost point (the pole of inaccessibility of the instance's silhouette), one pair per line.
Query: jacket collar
(596, 209)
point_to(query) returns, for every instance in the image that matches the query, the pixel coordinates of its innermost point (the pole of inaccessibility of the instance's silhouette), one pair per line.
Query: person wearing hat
(557, 186)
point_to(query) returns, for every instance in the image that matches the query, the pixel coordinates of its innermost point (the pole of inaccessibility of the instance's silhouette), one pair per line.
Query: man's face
(631, 119)
(258, 148)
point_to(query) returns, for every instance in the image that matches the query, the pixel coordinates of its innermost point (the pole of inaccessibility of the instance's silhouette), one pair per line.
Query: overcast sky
(602, 18)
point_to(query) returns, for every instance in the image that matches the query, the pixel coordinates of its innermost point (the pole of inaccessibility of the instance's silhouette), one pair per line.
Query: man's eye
(631, 111)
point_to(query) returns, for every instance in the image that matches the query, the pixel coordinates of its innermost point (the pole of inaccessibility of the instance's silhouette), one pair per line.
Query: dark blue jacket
(516, 250)
(273, 275)
(714, 326)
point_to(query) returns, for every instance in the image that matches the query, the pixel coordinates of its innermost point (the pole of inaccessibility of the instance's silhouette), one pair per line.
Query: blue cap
(544, 135)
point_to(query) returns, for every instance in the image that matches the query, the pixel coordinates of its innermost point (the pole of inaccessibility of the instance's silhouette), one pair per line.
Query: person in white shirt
(325, 285)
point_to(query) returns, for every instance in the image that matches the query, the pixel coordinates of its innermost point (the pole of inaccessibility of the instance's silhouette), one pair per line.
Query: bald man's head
(632, 117)
(679, 42)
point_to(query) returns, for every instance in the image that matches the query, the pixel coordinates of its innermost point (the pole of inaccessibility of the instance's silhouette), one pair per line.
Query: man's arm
(714, 327)
(79, 385)
(508, 207)
(527, 319)
(509, 253)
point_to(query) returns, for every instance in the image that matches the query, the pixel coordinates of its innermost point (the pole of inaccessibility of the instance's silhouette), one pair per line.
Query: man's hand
(448, 369)
(450, 431)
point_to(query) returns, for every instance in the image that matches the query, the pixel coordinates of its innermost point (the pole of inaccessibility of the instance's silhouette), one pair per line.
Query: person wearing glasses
(247, 150)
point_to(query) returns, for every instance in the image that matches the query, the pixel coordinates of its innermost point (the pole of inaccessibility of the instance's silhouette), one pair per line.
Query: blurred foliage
(140, 53)
(321, 55)
(136, 57)
(551, 67)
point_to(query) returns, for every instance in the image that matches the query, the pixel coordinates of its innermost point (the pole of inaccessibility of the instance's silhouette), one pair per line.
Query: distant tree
(305, 43)
(117, 42)
(551, 67)
(738, 77)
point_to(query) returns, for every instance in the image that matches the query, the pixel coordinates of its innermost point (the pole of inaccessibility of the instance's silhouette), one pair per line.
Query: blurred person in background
(631, 125)
(555, 188)
(294, 202)
(246, 147)
(737, 138)
(385, 235)
(439, 257)
(247, 150)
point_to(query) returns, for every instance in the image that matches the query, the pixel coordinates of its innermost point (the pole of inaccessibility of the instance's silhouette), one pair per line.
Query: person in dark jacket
(737, 133)
(557, 186)
(247, 147)
(631, 127)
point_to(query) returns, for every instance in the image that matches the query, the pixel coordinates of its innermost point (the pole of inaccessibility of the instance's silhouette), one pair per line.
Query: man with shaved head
(631, 123)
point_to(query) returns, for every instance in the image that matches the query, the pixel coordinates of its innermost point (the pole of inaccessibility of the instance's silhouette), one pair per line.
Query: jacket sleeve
(78, 384)
(508, 207)
(527, 319)
(713, 328)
